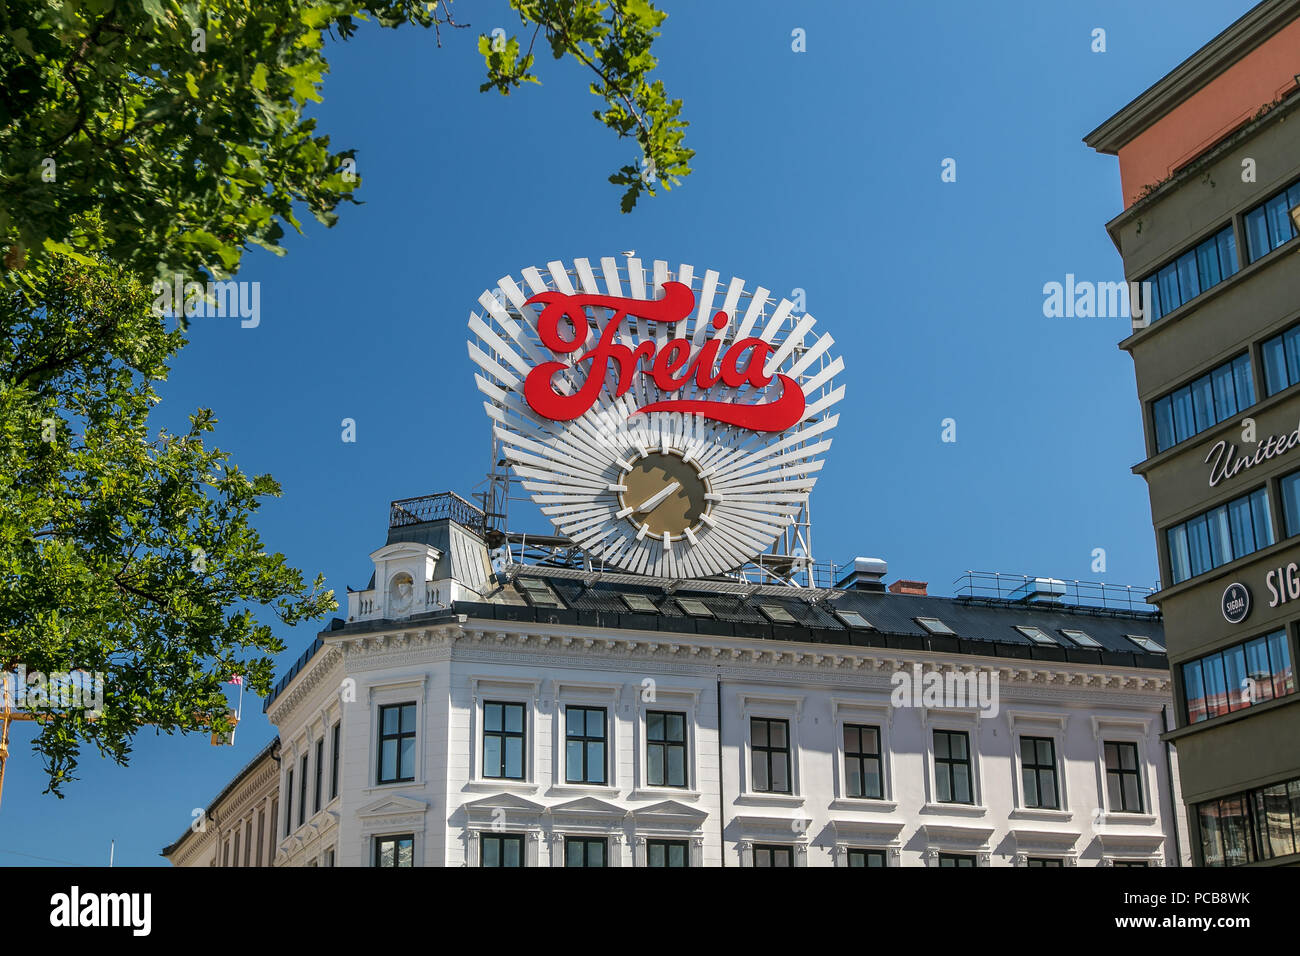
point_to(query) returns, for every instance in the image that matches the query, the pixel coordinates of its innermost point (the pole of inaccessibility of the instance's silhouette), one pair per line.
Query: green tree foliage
(147, 138)
(612, 38)
(182, 123)
(122, 551)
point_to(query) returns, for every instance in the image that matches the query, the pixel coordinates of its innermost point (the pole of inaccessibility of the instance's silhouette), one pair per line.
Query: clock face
(663, 495)
(666, 422)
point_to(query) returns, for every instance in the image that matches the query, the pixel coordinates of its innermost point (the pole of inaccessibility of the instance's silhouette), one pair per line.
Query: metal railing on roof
(448, 504)
(1028, 588)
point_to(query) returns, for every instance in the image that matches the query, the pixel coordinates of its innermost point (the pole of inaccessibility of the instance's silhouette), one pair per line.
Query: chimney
(909, 587)
(866, 575)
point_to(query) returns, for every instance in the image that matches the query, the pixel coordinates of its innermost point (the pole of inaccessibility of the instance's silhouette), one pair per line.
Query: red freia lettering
(671, 366)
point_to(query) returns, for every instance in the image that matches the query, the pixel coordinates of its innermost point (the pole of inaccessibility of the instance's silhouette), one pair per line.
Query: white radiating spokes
(702, 434)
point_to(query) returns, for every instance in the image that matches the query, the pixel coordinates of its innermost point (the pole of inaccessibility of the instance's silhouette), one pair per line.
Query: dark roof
(983, 626)
(248, 768)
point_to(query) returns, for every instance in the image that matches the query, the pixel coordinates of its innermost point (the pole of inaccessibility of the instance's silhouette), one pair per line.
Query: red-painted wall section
(1200, 121)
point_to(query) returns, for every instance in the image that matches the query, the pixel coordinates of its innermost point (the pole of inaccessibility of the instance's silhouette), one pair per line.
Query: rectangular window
(584, 738)
(501, 849)
(866, 857)
(1223, 534)
(777, 614)
(1036, 634)
(248, 842)
(320, 773)
(957, 860)
(585, 851)
(1082, 638)
(261, 835)
(236, 856)
(1216, 396)
(329, 857)
(1045, 861)
(952, 767)
(694, 607)
(1269, 225)
(665, 735)
(667, 853)
(503, 740)
(862, 776)
(334, 761)
(396, 743)
(288, 804)
(853, 619)
(766, 854)
(1038, 773)
(1195, 271)
(302, 790)
(1123, 779)
(770, 754)
(275, 817)
(1238, 677)
(395, 850)
(1291, 504)
(640, 604)
(1261, 824)
(1281, 360)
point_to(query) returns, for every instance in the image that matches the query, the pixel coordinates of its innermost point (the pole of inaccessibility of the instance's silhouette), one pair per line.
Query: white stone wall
(449, 670)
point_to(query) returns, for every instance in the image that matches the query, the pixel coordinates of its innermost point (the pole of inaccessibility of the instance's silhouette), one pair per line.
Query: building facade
(1210, 164)
(538, 716)
(238, 828)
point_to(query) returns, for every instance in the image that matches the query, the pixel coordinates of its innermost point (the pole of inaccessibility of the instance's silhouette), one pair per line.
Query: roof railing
(1034, 589)
(448, 504)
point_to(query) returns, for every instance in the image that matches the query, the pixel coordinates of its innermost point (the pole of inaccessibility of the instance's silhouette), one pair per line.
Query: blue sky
(818, 170)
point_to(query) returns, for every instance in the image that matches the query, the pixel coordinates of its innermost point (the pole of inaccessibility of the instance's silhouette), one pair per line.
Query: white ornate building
(550, 716)
(239, 827)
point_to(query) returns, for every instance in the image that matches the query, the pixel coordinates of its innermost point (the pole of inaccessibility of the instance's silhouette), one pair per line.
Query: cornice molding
(305, 682)
(869, 668)
(1193, 74)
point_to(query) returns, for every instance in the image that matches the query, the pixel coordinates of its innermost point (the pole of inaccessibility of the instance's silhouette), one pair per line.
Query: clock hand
(654, 500)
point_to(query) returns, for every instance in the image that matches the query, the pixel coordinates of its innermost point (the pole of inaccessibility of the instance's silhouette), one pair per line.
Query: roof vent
(1039, 591)
(865, 574)
(917, 588)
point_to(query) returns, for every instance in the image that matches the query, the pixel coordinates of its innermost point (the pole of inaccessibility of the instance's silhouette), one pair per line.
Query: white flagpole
(239, 709)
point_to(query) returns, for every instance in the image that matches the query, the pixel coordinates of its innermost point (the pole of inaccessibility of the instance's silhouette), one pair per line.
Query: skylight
(539, 593)
(777, 614)
(935, 626)
(640, 604)
(1082, 638)
(1145, 643)
(694, 607)
(1036, 634)
(854, 619)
